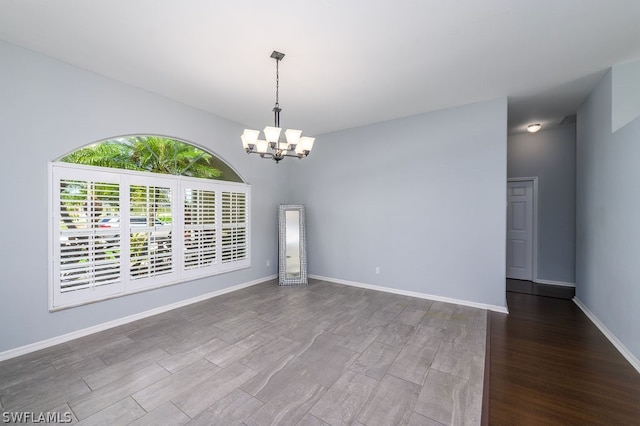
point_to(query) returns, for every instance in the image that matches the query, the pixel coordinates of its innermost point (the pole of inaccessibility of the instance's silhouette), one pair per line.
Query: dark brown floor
(528, 287)
(550, 365)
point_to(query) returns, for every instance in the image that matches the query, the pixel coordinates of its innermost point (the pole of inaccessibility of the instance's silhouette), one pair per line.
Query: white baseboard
(635, 362)
(22, 350)
(494, 308)
(550, 282)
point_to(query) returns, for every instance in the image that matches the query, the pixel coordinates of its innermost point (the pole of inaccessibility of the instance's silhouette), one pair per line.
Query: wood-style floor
(332, 354)
(550, 365)
(313, 355)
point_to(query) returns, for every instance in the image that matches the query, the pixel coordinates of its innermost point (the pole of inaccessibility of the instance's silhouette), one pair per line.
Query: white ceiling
(348, 62)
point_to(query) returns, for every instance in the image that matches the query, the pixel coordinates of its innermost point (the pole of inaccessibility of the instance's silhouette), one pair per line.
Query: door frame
(534, 249)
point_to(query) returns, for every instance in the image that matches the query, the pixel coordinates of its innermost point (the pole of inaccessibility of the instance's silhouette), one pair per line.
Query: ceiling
(348, 63)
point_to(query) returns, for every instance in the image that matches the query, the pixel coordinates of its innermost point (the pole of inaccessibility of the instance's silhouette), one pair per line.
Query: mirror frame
(282, 255)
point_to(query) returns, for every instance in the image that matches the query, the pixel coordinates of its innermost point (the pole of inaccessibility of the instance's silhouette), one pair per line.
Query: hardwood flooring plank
(550, 364)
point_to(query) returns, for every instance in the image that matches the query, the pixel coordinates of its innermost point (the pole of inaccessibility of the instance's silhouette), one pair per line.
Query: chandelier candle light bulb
(271, 147)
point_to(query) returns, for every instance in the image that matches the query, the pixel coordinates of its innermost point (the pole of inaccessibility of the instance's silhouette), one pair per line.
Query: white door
(520, 230)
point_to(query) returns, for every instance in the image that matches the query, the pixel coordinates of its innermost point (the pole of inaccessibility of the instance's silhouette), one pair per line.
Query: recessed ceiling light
(532, 128)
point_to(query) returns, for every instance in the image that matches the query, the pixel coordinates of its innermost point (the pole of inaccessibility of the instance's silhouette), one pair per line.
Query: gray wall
(48, 109)
(551, 156)
(421, 197)
(608, 202)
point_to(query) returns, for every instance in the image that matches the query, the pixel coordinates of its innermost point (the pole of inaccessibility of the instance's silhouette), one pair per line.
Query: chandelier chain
(277, 82)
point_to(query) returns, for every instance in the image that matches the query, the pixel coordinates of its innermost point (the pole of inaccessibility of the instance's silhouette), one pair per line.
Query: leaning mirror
(292, 268)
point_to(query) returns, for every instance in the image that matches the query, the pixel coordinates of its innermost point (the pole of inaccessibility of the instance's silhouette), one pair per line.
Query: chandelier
(272, 147)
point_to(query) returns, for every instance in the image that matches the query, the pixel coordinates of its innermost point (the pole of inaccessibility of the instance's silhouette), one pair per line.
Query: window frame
(59, 300)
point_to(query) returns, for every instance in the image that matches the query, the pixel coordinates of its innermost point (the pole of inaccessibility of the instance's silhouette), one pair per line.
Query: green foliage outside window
(153, 154)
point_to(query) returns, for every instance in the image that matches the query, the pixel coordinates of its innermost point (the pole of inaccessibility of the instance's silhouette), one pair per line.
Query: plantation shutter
(200, 228)
(118, 231)
(234, 226)
(87, 254)
(150, 231)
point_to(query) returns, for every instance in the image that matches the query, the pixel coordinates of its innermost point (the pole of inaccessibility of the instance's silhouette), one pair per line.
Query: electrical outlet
(377, 269)
(268, 263)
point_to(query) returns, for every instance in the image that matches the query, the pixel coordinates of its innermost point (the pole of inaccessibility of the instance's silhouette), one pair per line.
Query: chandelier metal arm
(276, 155)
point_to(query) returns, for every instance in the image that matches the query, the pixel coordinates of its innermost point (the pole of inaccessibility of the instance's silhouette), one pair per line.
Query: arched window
(155, 154)
(140, 212)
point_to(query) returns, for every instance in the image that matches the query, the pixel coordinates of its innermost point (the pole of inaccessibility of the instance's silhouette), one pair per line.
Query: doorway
(521, 228)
